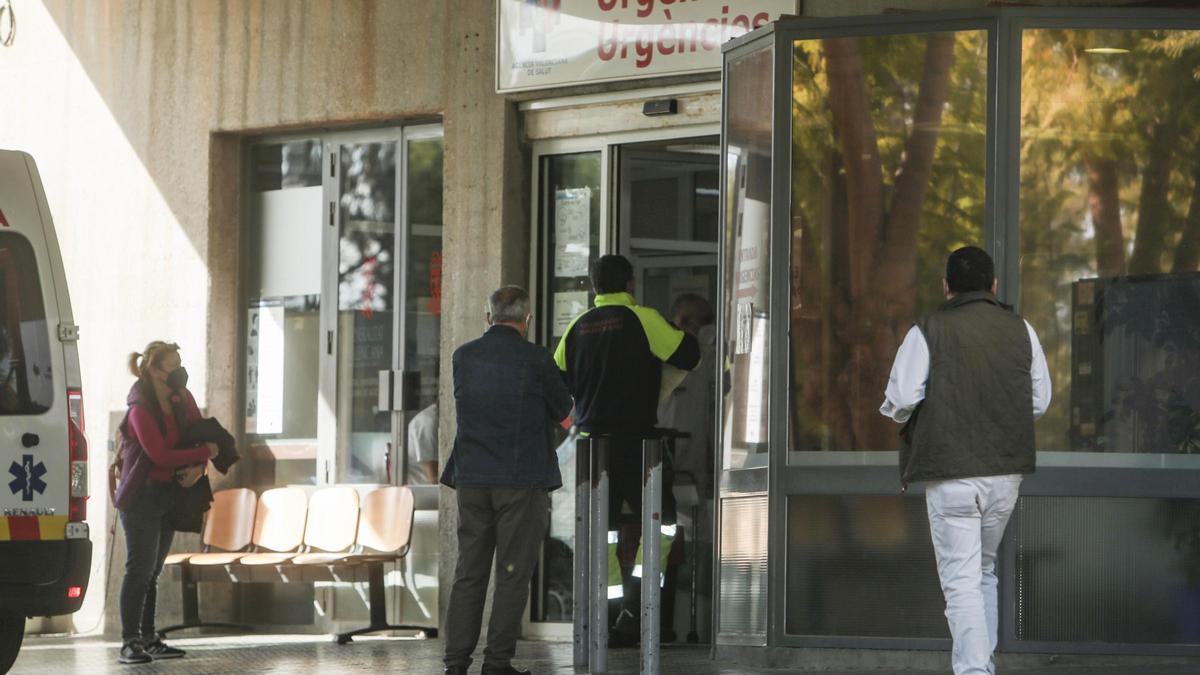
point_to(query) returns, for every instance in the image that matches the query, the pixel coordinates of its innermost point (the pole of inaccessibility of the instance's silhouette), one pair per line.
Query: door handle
(399, 390)
(30, 440)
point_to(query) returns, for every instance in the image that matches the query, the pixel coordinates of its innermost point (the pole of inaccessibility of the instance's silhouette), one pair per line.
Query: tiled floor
(301, 655)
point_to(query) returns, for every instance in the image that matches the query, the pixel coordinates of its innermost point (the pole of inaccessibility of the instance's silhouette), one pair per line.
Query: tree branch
(855, 130)
(1187, 254)
(1154, 207)
(1105, 208)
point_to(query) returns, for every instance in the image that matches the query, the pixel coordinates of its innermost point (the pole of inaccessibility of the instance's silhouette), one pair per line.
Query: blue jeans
(148, 536)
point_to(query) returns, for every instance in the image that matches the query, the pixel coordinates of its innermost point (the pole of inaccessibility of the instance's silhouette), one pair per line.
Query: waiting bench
(285, 536)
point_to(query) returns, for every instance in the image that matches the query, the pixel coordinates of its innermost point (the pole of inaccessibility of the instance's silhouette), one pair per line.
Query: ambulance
(45, 547)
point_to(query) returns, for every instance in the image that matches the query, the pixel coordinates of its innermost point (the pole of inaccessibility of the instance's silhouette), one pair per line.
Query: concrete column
(486, 235)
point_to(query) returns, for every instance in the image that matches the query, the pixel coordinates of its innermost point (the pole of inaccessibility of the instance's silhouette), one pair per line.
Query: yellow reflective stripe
(664, 338)
(52, 527)
(560, 352)
(4, 534)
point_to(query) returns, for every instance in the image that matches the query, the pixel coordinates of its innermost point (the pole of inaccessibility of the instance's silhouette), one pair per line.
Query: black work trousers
(509, 524)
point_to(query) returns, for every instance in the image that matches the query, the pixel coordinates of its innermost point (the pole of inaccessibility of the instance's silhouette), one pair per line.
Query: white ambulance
(45, 549)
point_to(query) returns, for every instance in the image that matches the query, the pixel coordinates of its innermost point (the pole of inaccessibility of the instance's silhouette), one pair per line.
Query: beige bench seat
(227, 525)
(261, 559)
(228, 530)
(206, 559)
(330, 535)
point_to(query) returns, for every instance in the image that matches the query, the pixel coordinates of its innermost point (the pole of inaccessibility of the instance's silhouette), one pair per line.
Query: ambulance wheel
(12, 632)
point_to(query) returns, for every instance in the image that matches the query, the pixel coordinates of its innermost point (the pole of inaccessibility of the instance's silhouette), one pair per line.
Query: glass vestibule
(1064, 144)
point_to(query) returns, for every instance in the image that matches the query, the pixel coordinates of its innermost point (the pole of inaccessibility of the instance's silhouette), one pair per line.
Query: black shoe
(455, 670)
(133, 652)
(160, 650)
(502, 670)
(626, 632)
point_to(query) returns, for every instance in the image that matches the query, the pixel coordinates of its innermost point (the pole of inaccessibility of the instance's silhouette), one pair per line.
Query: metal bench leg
(378, 599)
(580, 591)
(190, 594)
(651, 549)
(598, 630)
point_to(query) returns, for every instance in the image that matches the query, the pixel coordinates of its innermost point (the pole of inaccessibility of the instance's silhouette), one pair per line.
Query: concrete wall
(136, 113)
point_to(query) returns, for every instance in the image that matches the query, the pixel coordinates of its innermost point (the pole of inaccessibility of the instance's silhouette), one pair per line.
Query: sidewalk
(303, 654)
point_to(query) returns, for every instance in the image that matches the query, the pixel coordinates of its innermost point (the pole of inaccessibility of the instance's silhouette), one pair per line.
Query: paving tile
(304, 654)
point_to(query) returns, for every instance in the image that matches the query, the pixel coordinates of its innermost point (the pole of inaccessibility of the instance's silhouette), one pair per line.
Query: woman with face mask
(159, 405)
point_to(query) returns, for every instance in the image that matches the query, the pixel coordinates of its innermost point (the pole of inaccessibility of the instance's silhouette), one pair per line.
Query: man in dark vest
(968, 382)
(612, 357)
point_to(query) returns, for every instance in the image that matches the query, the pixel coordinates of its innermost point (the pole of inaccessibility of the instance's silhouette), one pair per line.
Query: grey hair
(508, 304)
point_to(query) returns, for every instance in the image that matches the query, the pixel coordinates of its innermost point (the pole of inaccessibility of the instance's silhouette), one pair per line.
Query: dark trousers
(625, 516)
(510, 524)
(148, 535)
(629, 539)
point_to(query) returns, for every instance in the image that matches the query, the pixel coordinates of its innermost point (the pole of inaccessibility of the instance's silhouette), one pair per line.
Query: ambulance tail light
(78, 444)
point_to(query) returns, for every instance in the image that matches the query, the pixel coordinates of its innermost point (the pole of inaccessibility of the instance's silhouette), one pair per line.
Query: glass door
(417, 356)
(667, 209)
(601, 195)
(343, 328)
(367, 218)
(570, 203)
(283, 310)
(388, 221)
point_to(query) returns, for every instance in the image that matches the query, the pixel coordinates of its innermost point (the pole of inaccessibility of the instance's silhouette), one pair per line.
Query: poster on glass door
(264, 369)
(551, 43)
(572, 232)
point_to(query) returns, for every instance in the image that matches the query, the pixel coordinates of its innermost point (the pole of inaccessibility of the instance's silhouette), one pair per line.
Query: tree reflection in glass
(888, 176)
(1110, 234)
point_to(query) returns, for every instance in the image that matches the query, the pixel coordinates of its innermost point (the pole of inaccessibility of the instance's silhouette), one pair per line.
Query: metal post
(693, 636)
(598, 628)
(581, 591)
(651, 548)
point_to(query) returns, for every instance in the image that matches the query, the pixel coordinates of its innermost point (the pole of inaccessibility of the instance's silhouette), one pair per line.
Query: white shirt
(910, 373)
(422, 444)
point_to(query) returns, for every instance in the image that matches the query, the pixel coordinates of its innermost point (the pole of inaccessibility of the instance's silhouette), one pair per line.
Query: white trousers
(967, 517)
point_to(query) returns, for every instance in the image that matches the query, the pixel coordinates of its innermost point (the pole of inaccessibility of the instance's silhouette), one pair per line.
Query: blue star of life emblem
(27, 478)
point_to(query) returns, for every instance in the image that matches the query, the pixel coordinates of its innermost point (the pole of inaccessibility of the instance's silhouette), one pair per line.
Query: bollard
(581, 588)
(693, 636)
(598, 626)
(651, 550)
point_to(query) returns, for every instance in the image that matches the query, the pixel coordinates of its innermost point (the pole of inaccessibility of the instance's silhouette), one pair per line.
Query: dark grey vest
(977, 416)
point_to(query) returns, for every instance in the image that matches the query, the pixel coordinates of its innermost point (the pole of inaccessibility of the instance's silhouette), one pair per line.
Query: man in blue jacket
(508, 395)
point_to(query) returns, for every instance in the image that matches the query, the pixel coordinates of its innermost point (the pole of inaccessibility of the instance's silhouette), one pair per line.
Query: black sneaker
(161, 650)
(626, 632)
(133, 652)
(502, 670)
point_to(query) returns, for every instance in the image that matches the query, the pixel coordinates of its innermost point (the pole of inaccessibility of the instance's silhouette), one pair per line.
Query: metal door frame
(328, 465)
(608, 147)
